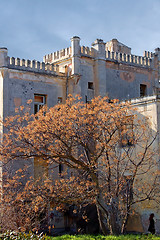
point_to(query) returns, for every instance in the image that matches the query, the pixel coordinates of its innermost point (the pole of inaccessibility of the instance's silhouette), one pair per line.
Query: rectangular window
(143, 90)
(39, 102)
(90, 85)
(60, 168)
(59, 100)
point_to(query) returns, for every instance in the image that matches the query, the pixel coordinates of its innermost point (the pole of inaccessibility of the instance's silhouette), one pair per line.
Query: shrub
(9, 235)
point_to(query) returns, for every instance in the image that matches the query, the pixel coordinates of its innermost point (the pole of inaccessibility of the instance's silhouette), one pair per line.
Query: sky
(31, 29)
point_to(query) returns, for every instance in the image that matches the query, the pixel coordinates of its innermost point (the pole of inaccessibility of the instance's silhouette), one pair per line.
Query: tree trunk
(115, 221)
(102, 212)
(108, 217)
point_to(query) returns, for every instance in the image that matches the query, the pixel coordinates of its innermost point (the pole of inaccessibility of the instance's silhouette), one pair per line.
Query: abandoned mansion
(104, 69)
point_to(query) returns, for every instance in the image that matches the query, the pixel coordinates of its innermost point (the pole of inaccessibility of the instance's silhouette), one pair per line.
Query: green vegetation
(101, 237)
(23, 236)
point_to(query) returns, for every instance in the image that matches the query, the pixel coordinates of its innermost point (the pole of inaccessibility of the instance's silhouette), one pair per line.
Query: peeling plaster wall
(87, 75)
(23, 88)
(18, 87)
(139, 221)
(120, 82)
(125, 85)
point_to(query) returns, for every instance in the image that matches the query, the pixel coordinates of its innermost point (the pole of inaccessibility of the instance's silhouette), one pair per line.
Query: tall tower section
(75, 54)
(100, 68)
(3, 96)
(3, 82)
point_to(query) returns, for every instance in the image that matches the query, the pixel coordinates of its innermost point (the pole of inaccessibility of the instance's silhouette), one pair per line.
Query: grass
(101, 237)
(23, 236)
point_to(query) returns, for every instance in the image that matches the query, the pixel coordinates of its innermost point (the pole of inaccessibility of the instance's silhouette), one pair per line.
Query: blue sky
(32, 28)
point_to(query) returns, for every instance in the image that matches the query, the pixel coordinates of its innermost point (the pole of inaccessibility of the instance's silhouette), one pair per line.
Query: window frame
(39, 104)
(143, 90)
(90, 85)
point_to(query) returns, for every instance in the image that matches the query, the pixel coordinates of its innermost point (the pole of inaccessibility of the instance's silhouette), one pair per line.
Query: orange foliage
(92, 141)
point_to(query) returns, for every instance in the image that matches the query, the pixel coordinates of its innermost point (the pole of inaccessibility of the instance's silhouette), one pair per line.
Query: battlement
(89, 52)
(129, 58)
(31, 65)
(58, 55)
(144, 61)
(112, 51)
(66, 53)
(148, 54)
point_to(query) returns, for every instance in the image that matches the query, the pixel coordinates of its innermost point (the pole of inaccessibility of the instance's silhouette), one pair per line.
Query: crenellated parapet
(67, 53)
(58, 55)
(31, 65)
(98, 50)
(88, 52)
(148, 54)
(129, 58)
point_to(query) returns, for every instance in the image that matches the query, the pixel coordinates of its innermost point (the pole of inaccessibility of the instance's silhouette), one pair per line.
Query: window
(90, 85)
(143, 90)
(126, 132)
(59, 100)
(60, 168)
(39, 102)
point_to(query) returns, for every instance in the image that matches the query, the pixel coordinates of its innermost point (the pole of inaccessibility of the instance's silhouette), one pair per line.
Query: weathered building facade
(105, 69)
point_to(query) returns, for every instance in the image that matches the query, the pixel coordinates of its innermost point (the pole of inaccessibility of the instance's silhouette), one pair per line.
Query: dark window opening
(90, 85)
(143, 90)
(60, 168)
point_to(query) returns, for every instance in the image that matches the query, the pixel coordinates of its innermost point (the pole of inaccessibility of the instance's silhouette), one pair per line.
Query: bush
(9, 235)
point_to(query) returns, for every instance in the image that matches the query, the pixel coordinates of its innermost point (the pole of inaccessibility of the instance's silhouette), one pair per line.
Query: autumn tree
(108, 146)
(23, 205)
